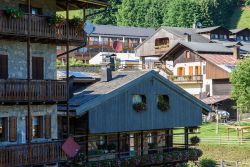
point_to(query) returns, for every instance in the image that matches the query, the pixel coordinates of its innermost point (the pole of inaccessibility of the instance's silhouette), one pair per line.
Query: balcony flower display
(14, 13)
(163, 103)
(56, 20)
(76, 22)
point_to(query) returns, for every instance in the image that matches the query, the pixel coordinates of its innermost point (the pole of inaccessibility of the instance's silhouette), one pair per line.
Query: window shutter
(3, 66)
(40, 128)
(37, 68)
(12, 131)
(27, 127)
(48, 126)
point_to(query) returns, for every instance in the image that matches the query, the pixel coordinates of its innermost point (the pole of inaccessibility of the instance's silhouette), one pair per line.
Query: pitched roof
(235, 31)
(123, 31)
(181, 32)
(215, 99)
(99, 92)
(209, 29)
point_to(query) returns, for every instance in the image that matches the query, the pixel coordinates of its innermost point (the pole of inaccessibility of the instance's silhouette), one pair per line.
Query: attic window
(139, 103)
(161, 43)
(187, 54)
(163, 103)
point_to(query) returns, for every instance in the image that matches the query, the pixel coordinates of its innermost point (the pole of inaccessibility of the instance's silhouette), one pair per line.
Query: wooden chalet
(203, 69)
(136, 119)
(215, 33)
(242, 34)
(29, 91)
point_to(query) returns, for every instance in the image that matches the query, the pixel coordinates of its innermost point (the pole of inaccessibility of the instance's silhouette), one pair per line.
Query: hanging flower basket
(138, 107)
(56, 20)
(14, 13)
(76, 22)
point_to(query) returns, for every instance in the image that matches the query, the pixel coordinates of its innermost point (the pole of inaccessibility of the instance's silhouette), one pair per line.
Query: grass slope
(240, 18)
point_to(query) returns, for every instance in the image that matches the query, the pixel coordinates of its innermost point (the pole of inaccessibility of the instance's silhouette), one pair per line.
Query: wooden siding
(147, 48)
(221, 87)
(117, 114)
(180, 56)
(215, 72)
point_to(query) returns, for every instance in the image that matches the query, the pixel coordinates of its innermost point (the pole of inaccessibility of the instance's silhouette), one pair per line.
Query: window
(216, 36)
(241, 38)
(197, 70)
(37, 127)
(34, 10)
(139, 103)
(161, 43)
(181, 71)
(212, 36)
(163, 102)
(8, 129)
(187, 54)
(225, 37)
(247, 38)
(3, 66)
(3, 129)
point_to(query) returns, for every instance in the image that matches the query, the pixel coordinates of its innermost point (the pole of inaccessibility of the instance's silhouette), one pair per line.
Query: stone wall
(48, 6)
(17, 58)
(20, 112)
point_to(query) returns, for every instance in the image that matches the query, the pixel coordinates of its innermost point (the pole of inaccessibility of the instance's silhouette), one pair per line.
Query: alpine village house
(29, 91)
(130, 118)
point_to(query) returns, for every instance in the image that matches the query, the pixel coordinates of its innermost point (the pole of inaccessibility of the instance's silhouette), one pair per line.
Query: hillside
(240, 18)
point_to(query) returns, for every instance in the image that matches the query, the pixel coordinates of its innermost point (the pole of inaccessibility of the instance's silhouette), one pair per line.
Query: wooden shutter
(3, 66)
(191, 70)
(12, 131)
(28, 128)
(37, 68)
(47, 126)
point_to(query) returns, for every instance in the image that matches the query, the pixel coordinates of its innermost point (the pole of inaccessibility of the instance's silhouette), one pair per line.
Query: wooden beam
(142, 143)
(186, 138)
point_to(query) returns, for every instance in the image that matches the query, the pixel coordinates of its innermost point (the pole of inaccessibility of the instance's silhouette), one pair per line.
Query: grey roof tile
(123, 31)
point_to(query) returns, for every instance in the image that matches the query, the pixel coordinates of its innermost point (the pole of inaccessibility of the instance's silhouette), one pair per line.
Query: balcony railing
(187, 78)
(40, 91)
(161, 49)
(39, 28)
(25, 155)
(97, 44)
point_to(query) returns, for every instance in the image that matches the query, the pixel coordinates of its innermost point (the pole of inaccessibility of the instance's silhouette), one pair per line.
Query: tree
(240, 79)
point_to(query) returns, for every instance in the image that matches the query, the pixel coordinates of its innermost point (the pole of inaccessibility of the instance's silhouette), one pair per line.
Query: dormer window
(139, 103)
(163, 103)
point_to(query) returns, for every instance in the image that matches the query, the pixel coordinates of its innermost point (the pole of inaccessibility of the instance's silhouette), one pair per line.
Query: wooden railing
(97, 44)
(25, 155)
(187, 78)
(40, 91)
(39, 28)
(161, 48)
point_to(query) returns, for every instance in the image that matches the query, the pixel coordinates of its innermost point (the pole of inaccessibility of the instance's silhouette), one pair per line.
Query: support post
(67, 67)
(186, 138)
(87, 146)
(118, 144)
(141, 143)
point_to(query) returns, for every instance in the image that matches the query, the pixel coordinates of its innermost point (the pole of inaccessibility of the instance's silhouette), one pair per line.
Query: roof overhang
(80, 4)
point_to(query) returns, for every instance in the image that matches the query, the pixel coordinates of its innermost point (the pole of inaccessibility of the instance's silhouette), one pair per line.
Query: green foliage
(240, 79)
(14, 13)
(56, 19)
(76, 22)
(195, 140)
(247, 3)
(207, 163)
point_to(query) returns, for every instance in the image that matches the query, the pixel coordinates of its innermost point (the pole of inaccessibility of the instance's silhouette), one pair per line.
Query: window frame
(5, 128)
(139, 106)
(166, 102)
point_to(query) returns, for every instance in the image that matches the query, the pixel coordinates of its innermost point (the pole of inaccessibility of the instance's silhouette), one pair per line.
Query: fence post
(222, 163)
(236, 164)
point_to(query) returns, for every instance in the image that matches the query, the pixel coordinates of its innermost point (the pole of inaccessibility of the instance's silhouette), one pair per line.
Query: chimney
(187, 37)
(236, 51)
(106, 73)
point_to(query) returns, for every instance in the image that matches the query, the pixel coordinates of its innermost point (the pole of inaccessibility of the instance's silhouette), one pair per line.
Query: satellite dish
(89, 28)
(199, 25)
(117, 46)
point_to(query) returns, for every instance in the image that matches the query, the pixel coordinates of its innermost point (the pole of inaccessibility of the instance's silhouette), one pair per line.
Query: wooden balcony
(160, 49)
(35, 154)
(187, 78)
(108, 45)
(41, 31)
(40, 91)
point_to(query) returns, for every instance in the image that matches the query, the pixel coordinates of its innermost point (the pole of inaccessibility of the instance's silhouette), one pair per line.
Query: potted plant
(139, 107)
(194, 140)
(111, 147)
(76, 22)
(163, 104)
(56, 20)
(14, 13)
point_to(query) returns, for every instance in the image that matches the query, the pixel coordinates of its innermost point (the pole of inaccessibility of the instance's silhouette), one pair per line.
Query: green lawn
(240, 18)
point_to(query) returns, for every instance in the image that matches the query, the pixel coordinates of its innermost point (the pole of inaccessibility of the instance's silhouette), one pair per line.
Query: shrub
(194, 140)
(55, 20)
(76, 22)
(247, 3)
(14, 13)
(207, 163)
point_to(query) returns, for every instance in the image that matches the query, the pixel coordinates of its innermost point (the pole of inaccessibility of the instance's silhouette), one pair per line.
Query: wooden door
(3, 66)
(37, 68)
